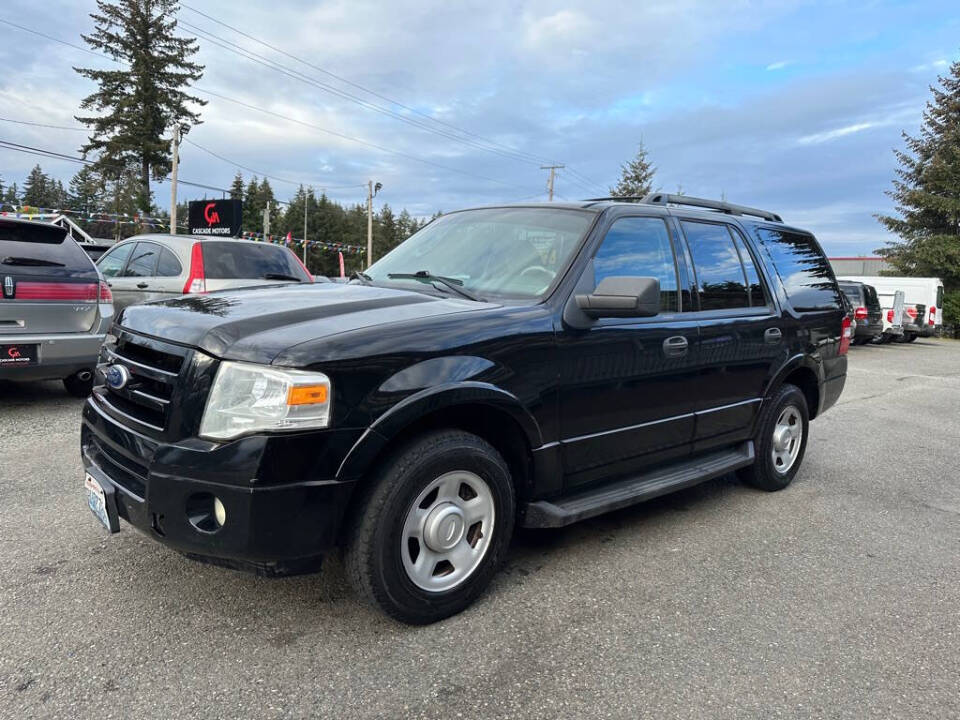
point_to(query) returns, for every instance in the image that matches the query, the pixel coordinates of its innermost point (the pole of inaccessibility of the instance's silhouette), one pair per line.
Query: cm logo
(211, 215)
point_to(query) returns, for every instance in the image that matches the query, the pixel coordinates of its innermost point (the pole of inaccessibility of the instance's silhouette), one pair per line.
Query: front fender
(425, 402)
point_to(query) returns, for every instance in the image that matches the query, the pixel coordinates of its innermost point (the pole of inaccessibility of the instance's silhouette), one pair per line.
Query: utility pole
(173, 179)
(304, 228)
(266, 221)
(553, 170)
(372, 191)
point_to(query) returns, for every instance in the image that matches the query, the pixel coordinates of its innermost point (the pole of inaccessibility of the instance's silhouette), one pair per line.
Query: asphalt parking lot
(839, 597)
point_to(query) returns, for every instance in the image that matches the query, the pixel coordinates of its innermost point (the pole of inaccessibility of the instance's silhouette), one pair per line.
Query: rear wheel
(912, 338)
(80, 383)
(781, 440)
(433, 529)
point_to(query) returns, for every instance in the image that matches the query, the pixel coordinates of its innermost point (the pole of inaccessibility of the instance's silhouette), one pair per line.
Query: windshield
(508, 252)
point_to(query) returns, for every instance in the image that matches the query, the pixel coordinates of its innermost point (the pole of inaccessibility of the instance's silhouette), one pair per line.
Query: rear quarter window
(802, 267)
(49, 248)
(226, 260)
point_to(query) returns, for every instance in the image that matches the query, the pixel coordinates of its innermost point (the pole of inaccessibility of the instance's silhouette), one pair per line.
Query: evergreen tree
(636, 176)
(38, 189)
(12, 196)
(236, 187)
(144, 97)
(926, 195)
(86, 190)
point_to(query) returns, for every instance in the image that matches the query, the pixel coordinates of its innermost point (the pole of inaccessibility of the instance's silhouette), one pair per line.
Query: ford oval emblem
(116, 376)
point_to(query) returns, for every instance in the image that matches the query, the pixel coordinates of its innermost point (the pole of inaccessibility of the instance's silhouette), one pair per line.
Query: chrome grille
(144, 402)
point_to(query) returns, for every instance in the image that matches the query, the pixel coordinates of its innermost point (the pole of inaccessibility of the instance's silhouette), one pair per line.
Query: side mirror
(622, 297)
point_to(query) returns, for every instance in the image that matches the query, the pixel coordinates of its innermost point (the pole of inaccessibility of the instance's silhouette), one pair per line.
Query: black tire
(374, 542)
(77, 386)
(763, 474)
(912, 338)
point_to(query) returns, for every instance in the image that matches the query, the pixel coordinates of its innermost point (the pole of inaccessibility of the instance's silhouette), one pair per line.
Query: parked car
(867, 312)
(158, 267)
(532, 365)
(54, 308)
(916, 290)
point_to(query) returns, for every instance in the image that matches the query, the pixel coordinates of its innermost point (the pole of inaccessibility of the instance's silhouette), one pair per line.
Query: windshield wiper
(37, 262)
(451, 283)
(362, 277)
(280, 276)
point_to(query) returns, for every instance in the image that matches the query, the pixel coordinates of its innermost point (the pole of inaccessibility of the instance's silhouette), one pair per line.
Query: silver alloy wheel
(447, 531)
(787, 438)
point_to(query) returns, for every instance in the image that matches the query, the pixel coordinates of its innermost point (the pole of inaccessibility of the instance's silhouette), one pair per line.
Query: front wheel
(780, 441)
(433, 529)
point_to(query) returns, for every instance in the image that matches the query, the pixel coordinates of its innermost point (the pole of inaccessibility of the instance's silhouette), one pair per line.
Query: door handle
(773, 336)
(142, 285)
(675, 346)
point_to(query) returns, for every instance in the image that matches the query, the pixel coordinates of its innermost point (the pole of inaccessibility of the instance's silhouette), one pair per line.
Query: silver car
(157, 267)
(54, 308)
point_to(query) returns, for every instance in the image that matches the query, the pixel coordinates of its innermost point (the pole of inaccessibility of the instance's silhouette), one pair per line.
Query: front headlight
(249, 398)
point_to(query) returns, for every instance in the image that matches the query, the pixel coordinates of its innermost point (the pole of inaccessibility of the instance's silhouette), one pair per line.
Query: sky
(793, 107)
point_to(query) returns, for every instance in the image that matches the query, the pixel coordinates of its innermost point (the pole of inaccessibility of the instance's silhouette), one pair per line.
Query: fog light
(219, 512)
(205, 512)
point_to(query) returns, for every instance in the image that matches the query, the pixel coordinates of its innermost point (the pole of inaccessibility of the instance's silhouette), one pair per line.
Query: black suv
(531, 365)
(866, 311)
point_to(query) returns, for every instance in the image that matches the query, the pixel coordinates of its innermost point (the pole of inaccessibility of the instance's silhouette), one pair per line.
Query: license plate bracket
(17, 355)
(102, 501)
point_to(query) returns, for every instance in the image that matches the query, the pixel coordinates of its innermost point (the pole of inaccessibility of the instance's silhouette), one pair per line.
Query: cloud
(543, 80)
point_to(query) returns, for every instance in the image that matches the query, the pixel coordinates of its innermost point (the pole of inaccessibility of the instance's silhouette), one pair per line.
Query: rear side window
(870, 294)
(639, 247)
(720, 275)
(112, 262)
(852, 293)
(143, 261)
(41, 249)
(803, 269)
(225, 260)
(168, 265)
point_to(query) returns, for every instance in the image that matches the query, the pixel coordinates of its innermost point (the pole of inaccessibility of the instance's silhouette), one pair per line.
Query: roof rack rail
(667, 199)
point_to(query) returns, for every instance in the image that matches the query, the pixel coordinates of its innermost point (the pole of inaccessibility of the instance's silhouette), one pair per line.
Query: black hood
(257, 324)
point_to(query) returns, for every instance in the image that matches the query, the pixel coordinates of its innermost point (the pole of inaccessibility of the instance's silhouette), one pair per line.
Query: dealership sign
(216, 217)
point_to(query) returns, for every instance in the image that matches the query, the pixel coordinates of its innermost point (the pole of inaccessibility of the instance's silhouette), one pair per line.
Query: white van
(917, 291)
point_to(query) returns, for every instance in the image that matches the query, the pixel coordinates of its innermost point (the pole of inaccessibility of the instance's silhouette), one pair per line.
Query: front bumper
(283, 512)
(58, 356)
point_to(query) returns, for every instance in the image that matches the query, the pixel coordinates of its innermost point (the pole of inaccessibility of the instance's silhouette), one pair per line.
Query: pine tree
(143, 97)
(12, 196)
(926, 195)
(38, 189)
(236, 187)
(86, 190)
(636, 176)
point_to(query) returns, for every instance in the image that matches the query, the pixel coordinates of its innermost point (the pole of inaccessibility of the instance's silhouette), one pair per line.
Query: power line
(531, 157)
(30, 150)
(43, 125)
(263, 174)
(284, 117)
(343, 136)
(296, 75)
(512, 153)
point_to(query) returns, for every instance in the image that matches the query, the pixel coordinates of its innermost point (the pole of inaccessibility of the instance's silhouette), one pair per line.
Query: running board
(667, 479)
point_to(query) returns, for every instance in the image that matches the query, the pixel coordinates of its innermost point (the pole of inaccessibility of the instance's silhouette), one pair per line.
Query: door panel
(623, 396)
(625, 383)
(741, 335)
